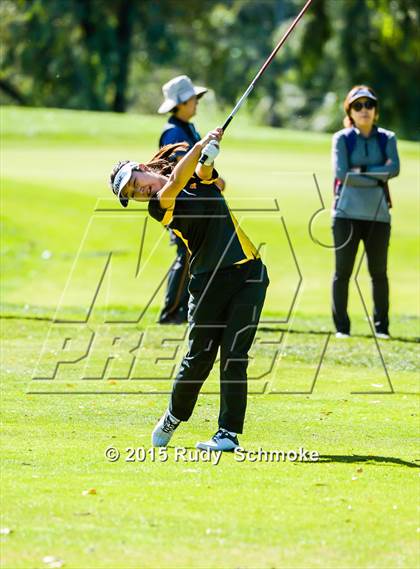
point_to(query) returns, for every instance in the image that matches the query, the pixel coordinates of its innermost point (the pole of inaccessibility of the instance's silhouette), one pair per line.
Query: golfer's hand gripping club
(210, 153)
(211, 146)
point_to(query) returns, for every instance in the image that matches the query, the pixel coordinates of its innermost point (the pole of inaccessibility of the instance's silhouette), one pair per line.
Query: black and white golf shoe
(164, 430)
(222, 440)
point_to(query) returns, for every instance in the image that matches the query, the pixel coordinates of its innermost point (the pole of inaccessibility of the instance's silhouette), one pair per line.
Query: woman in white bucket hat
(178, 91)
(180, 99)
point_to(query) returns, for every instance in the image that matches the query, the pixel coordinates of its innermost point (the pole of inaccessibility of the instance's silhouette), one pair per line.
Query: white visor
(122, 177)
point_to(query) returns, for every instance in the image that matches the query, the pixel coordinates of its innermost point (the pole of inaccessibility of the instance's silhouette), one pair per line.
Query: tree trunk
(12, 92)
(124, 34)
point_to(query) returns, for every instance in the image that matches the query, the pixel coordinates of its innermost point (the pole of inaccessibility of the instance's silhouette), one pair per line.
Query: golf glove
(211, 150)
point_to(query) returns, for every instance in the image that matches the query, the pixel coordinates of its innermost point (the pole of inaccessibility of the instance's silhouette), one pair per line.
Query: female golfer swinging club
(227, 286)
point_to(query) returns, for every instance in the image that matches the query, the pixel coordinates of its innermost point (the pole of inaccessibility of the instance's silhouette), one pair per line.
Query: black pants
(175, 309)
(375, 236)
(224, 310)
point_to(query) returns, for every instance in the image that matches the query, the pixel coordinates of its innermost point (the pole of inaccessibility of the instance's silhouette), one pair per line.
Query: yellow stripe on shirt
(248, 248)
(207, 182)
(167, 218)
(179, 234)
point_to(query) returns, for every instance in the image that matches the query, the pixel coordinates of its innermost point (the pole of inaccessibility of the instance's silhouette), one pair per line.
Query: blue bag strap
(382, 141)
(350, 138)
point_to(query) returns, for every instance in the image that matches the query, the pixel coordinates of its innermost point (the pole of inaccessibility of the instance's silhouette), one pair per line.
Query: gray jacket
(361, 196)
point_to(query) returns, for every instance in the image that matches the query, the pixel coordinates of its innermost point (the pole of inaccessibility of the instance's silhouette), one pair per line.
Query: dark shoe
(174, 319)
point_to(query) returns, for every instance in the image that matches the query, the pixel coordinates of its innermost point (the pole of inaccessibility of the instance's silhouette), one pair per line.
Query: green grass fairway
(355, 402)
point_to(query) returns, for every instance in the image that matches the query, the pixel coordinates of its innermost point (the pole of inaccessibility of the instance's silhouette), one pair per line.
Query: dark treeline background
(115, 55)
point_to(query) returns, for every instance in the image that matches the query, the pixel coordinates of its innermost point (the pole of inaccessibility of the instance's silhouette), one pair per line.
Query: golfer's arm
(204, 172)
(207, 173)
(220, 183)
(182, 172)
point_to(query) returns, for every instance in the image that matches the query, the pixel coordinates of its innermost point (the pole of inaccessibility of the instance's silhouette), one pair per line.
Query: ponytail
(166, 159)
(348, 122)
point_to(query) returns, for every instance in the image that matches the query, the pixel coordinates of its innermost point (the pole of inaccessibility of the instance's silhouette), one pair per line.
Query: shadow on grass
(408, 340)
(357, 458)
(346, 458)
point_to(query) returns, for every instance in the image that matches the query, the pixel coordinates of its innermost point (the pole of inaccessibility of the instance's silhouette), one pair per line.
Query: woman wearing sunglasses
(364, 157)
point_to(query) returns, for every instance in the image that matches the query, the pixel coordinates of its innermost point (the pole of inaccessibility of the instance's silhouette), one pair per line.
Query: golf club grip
(227, 122)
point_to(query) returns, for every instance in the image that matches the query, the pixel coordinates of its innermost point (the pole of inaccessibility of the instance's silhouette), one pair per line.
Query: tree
(70, 53)
(114, 55)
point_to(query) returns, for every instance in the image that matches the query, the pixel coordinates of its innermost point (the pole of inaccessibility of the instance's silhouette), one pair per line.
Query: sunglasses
(369, 105)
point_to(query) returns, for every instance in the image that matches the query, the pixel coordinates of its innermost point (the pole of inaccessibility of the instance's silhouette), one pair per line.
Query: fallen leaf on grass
(359, 470)
(91, 491)
(53, 562)
(211, 530)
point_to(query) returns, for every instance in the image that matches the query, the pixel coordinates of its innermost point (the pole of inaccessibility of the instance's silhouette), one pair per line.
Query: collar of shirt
(372, 132)
(178, 122)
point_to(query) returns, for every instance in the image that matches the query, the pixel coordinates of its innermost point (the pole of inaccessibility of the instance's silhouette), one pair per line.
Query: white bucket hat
(178, 90)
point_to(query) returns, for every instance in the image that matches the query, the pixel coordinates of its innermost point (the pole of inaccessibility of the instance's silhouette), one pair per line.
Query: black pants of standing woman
(375, 236)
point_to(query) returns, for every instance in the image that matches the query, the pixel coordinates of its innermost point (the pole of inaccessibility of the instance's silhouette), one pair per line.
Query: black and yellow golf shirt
(202, 219)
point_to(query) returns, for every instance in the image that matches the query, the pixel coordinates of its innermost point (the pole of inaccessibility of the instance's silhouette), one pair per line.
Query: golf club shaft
(261, 71)
(265, 65)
